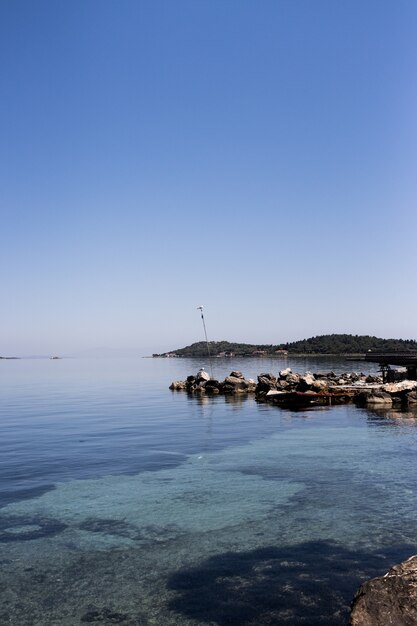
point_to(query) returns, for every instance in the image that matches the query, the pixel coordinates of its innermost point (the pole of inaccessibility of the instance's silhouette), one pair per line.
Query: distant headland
(336, 344)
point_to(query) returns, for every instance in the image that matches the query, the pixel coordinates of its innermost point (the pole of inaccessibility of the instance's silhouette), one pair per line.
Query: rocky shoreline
(291, 389)
(388, 599)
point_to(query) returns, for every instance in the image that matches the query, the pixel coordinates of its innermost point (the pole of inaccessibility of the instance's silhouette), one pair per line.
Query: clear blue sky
(259, 158)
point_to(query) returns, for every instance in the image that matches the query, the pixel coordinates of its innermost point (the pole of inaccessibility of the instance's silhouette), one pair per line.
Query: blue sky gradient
(255, 157)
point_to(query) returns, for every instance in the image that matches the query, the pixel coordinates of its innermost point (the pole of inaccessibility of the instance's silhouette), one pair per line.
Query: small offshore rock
(202, 375)
(178, 385)
(234, 380)
(389, 599)
(236, 374)
(240, 384)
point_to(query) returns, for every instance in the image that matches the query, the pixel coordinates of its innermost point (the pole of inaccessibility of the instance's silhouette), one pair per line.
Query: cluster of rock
(203, 383)
(270, 386)
(289, 386)
(401, 394)
(389, 599)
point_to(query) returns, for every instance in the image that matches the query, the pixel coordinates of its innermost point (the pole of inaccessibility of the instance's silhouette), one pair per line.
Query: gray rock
(389, 599)
(237, 374)
(373, 398)
(411, 398)
(320, 385)
(282, 385)
(305, 383)
(265, 383)
(267, 379)
(203, 375)
(233, 384)
(237, 383)
(178, 385)
(373, 379)
(293, 379)
(212, 386)
(284, 373)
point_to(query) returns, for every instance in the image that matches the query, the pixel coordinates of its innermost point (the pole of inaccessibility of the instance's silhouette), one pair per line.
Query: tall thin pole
(200, 308)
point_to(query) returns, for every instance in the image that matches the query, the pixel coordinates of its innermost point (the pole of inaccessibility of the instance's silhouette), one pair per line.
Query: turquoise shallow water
(122, 502)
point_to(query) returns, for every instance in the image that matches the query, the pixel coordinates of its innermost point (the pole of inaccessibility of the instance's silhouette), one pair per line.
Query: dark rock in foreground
(389, 599)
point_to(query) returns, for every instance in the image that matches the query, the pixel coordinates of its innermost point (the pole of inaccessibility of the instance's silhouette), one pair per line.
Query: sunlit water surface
(122, 502)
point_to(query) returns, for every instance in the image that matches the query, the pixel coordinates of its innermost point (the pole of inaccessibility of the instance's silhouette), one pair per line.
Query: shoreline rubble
(292, 389)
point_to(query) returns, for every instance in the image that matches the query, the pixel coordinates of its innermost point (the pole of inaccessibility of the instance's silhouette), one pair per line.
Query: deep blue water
(123, 502)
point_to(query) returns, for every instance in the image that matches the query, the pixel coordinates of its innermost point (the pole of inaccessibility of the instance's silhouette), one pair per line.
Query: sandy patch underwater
(206, 493)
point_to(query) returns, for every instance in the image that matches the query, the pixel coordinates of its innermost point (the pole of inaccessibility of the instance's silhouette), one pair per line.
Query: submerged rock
(389, 599)
(105, 615)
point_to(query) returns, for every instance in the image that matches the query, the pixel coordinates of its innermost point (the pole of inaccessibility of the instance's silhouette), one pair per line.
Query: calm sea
(124, 503)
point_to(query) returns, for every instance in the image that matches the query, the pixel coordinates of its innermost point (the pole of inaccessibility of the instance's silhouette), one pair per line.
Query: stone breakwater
(290, 388)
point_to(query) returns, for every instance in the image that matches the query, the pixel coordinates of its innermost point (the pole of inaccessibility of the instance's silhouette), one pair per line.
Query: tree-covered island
(339, 344)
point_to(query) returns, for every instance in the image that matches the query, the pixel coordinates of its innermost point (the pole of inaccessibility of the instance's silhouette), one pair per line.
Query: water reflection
(393, 416)
(236, 399)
